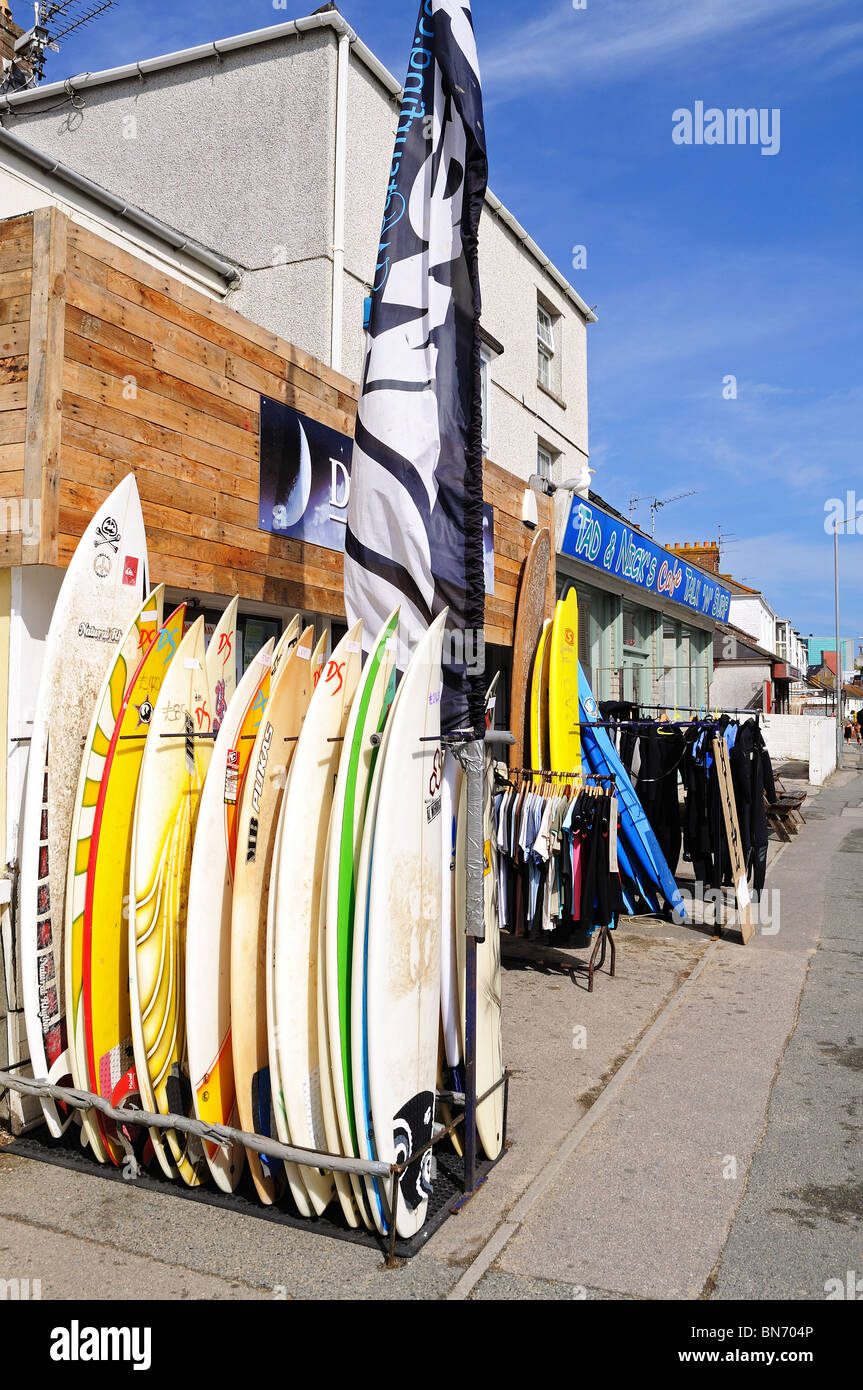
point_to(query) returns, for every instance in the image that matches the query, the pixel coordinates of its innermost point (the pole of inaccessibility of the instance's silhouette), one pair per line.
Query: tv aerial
(52, 22)
(656, 504)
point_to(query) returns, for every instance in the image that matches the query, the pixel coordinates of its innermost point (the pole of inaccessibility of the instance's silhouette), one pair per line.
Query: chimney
(705, 554)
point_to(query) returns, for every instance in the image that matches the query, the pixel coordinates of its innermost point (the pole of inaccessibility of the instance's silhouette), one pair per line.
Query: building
(818, 647)
(744, 674)
(274, 148)
(646, 618)
(751, 617)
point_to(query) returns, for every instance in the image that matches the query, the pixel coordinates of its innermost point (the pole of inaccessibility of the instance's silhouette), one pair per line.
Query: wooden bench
(783, 812)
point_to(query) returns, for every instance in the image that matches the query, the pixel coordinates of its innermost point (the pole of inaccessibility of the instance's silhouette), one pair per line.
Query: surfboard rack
(224, 1135)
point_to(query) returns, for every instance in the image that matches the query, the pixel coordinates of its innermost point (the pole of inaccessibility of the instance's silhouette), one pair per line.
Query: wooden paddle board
(529, 615)
(137, 639)
(295, 905)
(173, 770)
(208, 927)
(564, 728)
(107, 1019)
(540, 750)
(100, 594)
(273, 749)
(395, 1014)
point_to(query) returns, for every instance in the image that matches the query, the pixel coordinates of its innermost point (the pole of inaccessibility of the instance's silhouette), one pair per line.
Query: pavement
(691, 1130)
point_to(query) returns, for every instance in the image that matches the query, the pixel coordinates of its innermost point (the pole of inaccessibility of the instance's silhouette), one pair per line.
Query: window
(544, 463)
(545, 346)
(485, 375)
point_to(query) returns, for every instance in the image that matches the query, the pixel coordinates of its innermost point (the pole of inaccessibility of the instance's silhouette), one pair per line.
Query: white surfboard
(297, 1187)
(222, 665)
(208, 928)
(101, 591)
(295, 904)
(395, 1014)
(368, 716)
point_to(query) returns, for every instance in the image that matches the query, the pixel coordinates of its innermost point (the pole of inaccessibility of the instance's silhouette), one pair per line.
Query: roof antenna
(52, 22)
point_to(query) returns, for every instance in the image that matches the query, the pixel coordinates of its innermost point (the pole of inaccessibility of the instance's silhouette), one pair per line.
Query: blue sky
(704, 261)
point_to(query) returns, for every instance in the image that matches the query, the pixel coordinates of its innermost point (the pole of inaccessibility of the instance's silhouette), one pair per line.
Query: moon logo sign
(301, 491)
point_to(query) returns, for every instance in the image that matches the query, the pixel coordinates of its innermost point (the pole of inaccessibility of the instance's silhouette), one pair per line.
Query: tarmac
(689, 1131)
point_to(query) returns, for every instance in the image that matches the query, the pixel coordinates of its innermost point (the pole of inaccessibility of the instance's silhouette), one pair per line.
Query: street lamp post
(839, 730)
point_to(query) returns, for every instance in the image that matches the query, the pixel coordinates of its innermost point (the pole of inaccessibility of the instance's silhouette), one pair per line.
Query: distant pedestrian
(848, 730)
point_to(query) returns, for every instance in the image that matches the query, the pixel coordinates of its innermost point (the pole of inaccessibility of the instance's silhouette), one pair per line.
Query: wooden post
(45, 387)
(732, 830)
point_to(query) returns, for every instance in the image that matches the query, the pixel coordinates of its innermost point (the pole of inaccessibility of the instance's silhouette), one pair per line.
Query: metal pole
(475, 929)
(839, 729)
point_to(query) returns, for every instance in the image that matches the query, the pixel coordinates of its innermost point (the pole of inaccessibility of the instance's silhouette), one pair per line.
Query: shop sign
(305, 482)
(597, 539)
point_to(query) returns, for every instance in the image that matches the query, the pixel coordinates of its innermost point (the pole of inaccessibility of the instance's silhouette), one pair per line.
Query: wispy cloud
(609, 42)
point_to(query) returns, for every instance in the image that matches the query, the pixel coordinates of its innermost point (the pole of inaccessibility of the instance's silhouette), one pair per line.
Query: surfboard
(136, 641)
(563, 712)
(529, 616)
(208, 927)
(395, 1006)
(540, 754)
(368, 715)
(280, 1171)
(295, 905)
(342, 1181)
(173, 770)
(222, 664)
(107, 1024)
(100, 594)
(272, 751)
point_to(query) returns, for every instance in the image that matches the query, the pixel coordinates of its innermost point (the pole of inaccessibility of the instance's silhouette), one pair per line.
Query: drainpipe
(344, 60)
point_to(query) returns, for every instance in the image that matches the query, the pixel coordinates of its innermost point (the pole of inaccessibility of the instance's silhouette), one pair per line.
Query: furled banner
(415, 515)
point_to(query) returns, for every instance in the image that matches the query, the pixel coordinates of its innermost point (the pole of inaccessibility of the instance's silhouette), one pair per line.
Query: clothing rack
(552, 957)
(697, 709)
(574, 776)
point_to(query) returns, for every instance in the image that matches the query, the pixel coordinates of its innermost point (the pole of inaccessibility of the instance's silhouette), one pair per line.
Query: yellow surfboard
(564, 730)
(173, 769)
(137, 639)
(107, 1025)
(539, 742)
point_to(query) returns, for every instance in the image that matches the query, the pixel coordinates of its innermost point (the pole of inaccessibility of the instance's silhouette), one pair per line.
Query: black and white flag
(415, 516)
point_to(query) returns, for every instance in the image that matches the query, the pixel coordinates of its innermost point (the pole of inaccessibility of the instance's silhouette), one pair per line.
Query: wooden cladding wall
(16, 262)
(155, 377)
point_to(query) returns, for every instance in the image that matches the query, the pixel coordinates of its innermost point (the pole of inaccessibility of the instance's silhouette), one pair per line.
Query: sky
(728, 356)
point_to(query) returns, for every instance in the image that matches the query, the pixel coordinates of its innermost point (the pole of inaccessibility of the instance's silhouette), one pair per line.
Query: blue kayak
(639, 838)
(633, 885)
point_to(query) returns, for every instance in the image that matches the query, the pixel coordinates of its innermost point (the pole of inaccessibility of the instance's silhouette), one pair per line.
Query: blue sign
(597, 539)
